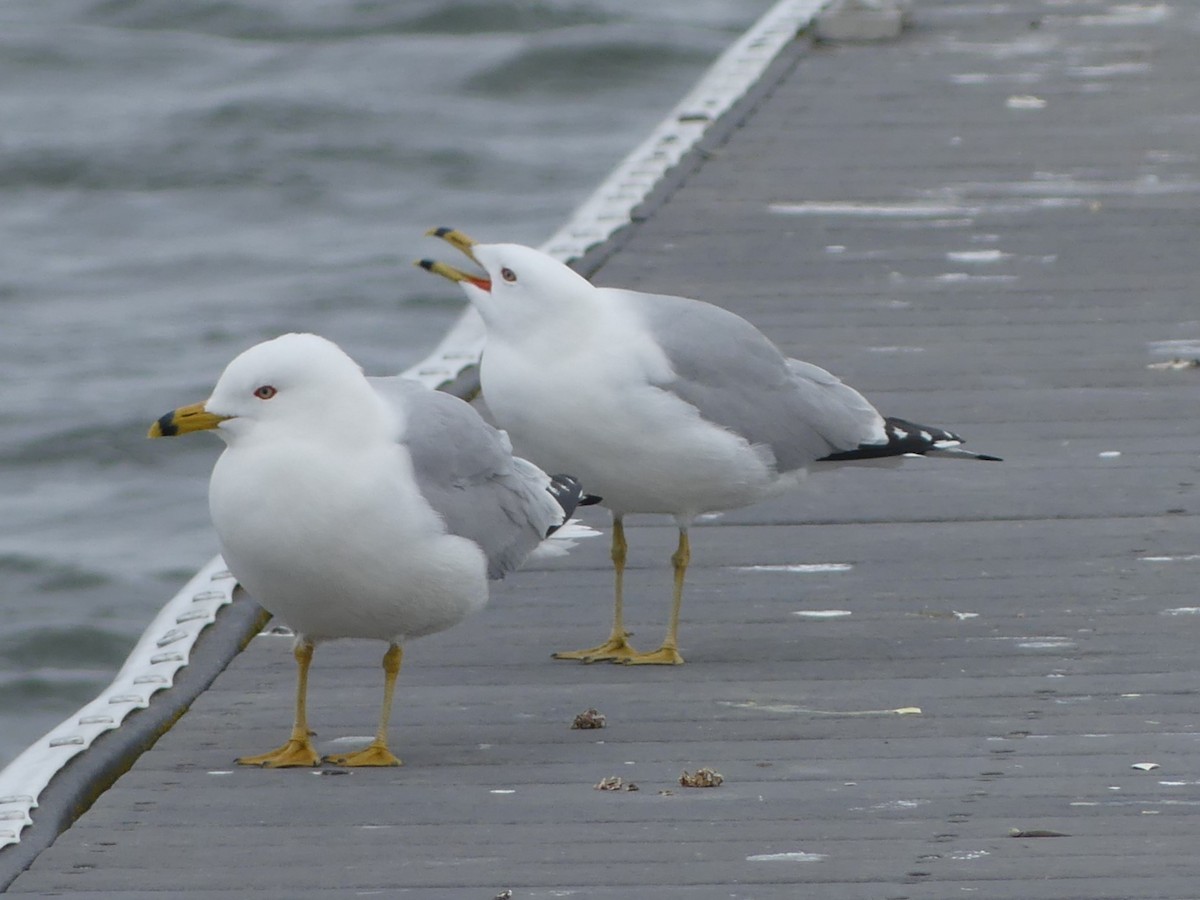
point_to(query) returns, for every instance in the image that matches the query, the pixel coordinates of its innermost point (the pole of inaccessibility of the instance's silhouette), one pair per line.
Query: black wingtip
(566, 491)
(590, 500)
(426, 264)
(441, 231)
(904, 437)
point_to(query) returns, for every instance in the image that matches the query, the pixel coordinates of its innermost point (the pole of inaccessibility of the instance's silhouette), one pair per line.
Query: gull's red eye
(508, 274)
(266, 392)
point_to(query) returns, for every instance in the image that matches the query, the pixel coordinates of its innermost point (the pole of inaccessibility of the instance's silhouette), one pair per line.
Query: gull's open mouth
(461, 242)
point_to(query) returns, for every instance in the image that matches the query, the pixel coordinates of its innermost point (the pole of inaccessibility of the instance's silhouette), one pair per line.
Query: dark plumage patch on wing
(907, 437)
(567, 492)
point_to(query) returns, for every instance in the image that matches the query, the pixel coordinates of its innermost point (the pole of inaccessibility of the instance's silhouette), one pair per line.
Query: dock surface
(988, 224)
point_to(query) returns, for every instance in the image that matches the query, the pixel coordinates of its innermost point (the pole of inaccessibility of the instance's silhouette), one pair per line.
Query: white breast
(336, 551)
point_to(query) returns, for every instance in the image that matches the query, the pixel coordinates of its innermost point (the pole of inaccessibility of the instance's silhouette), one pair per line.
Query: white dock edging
(161, 652)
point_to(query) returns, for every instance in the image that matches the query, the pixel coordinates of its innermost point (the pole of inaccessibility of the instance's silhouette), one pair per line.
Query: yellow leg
(377, 753)
(668, 653)
(616, 648)
(298, 751)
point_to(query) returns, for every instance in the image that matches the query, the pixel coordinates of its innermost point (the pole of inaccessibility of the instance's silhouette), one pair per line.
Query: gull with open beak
(659, 404)
(356, 507)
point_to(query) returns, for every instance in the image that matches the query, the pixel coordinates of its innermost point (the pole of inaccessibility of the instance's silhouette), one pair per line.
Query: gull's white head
(524, 289)
(515, 270)
(298, 383)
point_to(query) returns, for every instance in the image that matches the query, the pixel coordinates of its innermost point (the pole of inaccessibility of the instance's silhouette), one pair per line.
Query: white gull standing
(361, 508)
(659, 404)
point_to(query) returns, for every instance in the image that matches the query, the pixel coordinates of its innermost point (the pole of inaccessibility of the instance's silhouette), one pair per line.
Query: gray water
(180, 179)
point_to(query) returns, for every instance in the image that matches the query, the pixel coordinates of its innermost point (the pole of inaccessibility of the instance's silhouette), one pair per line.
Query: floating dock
(939, 680)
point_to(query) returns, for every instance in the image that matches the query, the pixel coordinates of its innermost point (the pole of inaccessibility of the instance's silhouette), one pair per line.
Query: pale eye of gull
(508, 274)
(266, 392)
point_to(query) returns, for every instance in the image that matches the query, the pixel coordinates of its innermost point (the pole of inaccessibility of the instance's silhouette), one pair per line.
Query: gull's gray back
(738, 379)
(466, 471)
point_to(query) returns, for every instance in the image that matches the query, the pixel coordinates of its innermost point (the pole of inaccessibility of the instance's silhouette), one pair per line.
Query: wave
(43, 576)
(323, 20)
(58, 652)
(589, 60)
(49, 693)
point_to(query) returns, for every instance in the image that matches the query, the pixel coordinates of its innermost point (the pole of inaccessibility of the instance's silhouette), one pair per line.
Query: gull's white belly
(342, 556)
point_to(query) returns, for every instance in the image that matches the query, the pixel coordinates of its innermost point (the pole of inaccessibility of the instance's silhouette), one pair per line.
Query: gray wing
(738, 379)
(466, 471)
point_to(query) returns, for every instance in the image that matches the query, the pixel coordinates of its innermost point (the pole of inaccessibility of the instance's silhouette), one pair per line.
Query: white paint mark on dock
(962, 277)
(792, 709)
(1025, 101)
(1109, 454)
(798, 568)
(996, 78)
(901, 804)
(1033, 45)
(1049, 643)
(977, 256)
(1129, 14)
(967, 855)
(791, 856)
(1038, 642)
(872, 210)
(1106, 71)
(822, 613)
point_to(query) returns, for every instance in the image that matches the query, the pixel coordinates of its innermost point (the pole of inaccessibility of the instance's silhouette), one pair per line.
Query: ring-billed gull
(660, 404)
(361, 508)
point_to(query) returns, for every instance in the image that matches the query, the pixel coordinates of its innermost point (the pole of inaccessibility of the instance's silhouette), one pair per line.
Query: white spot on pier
(791, 856)
(977, 256)
(798, 568)
(1046, 644)
(872, 210)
